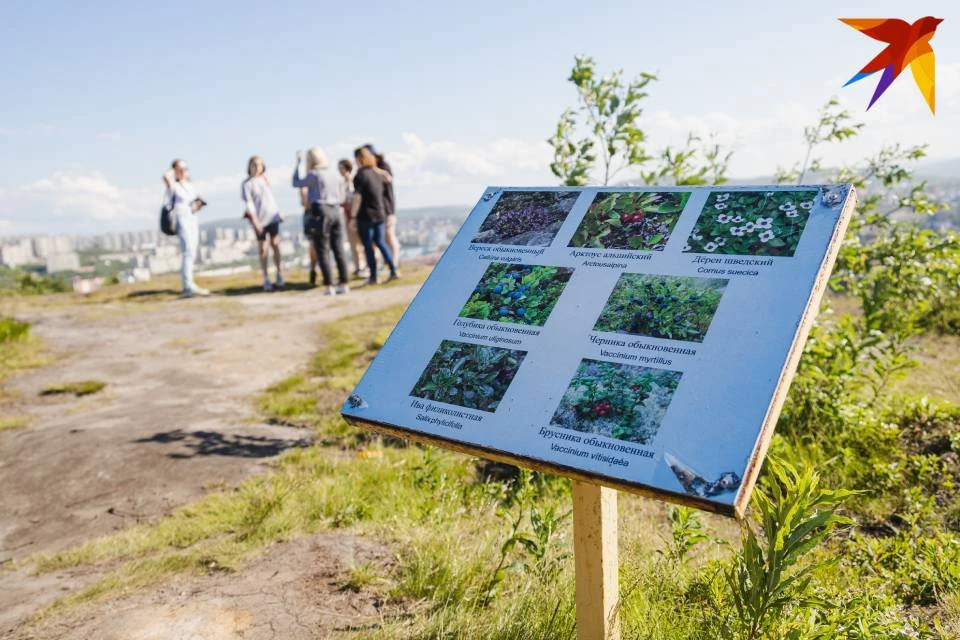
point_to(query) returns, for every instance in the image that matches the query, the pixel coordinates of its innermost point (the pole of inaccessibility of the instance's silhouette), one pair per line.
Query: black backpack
(168, 219)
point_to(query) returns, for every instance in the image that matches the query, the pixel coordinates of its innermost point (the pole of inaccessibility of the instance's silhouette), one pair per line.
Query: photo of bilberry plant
(530, 218)
(757, 223)
(639, 220)
(621, 401)
(469, 375)
(518, 293)
(672, 307)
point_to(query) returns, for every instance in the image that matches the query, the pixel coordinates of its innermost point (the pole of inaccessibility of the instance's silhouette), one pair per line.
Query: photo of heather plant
(518, 293)
(756, 223)
(641, 220)
(530, 218)
(621, 401)
(469, 375)
(672, 307)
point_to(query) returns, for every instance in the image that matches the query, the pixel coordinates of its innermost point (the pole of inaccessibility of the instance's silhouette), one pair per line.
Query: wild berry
(521, 312)
(504, 311)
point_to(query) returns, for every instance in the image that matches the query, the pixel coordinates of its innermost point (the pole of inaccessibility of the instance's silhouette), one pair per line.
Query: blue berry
(521, 312)
(504, 311)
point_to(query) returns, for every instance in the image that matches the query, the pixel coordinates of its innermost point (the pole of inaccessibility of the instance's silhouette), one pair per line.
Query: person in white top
(345, 167)
(262, 211)
(185, 204)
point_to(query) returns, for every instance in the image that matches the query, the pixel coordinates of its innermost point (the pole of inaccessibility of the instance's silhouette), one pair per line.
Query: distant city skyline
(457, 98)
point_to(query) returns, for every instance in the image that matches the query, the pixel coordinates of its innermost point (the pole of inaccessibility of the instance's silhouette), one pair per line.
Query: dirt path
(175, 419)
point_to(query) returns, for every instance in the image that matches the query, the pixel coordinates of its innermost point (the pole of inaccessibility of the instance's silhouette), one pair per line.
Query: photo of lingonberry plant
(630, 220)
(469, 375)
(756, 223)
(519, 293)
(530, 218)
(621, 401)
(672, 307)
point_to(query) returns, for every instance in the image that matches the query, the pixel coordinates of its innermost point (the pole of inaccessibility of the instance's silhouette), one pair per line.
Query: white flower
(764, 223)
(766, 235)
(720, 206)
(768, 193)
(724, 218)
(738, 219)
(737, 231)
(720, 241)
(788, 206)
(749, 227)
(926, 281)
(808, 204)
(696, 236)
(792, 214)
(710, 246)
(723, 196)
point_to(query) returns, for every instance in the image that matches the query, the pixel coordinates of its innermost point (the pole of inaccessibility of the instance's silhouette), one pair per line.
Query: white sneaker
(267, 286)
(280, 283)
(200, 291)
(329, 291)
(342, 289)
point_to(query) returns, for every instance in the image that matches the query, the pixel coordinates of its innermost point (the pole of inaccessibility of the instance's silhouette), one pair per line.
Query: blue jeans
(372, 234)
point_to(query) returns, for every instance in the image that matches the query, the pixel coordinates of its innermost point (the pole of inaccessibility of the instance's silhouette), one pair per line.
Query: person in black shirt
(370, 211)
(390, 226)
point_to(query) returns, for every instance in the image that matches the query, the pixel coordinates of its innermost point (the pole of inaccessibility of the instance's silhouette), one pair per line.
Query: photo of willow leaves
(621, 401)
(630, 220)
(756, 223)
(469, 375)
(517, 293)
(672, 307)
(530, 218)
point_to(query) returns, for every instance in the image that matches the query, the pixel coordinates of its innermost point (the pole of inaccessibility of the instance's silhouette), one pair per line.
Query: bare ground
(175, 419)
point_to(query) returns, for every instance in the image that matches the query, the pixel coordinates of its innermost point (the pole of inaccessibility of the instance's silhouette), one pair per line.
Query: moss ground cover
(673, 307)
(616, 400)
(630, 220)
(759, 223)
(529, 218)
(470, 375)
(518, 293)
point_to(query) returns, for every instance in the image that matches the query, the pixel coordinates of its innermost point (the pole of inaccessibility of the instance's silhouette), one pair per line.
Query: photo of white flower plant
(757, 223)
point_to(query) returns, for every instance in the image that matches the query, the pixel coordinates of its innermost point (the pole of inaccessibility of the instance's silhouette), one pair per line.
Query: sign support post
(597, 560)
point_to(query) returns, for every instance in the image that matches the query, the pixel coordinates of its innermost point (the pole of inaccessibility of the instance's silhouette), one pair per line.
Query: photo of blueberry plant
(756, 223)
(519, 293)
(469, 375)
(630, 220)
(672, 307)
(530, 218)
(621, 401)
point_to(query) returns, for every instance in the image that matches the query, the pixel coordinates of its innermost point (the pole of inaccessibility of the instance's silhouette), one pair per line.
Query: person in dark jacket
(369, 210)
(390, 225)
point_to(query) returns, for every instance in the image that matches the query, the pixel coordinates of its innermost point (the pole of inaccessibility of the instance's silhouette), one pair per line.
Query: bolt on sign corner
(642, 339)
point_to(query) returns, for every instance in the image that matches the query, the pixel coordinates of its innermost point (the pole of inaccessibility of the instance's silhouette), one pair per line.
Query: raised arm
(297, 181)
(169, 178)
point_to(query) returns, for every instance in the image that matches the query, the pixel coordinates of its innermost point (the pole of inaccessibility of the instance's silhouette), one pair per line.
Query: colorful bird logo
(907, 44)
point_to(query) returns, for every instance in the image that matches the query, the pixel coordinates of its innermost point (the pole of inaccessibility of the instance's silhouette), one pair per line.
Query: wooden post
(597, 561)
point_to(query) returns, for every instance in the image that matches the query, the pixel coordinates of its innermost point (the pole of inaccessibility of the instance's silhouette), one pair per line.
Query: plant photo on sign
(640, 220)
(756, 223)
(518, 293)
(671, 307)
(469, 375)
(530, 218)
(615, 400)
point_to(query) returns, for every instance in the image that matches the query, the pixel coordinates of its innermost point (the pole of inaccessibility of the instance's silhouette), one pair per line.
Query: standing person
(390, 228)
(261, 209)
(370, 212)
(345, 167)
(324, 198)
(185, 205)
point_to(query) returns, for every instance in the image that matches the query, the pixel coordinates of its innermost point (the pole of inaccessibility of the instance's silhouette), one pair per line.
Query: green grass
(9, 423)
(19, 349)
(79, 389)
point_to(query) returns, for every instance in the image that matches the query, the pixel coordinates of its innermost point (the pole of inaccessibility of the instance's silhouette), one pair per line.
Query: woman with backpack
(183, 208)
(322, 221)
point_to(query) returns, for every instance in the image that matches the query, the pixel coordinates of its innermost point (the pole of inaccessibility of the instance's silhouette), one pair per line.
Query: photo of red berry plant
(630, 220)
(469, 375)
(519, 293)
(621, 401)
(671, 307)
(756, 223)
(530, 218)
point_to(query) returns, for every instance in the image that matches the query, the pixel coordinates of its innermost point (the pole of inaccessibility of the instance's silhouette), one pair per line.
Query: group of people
(358, 207)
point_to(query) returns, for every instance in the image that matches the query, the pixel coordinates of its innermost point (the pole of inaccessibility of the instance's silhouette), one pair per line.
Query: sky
(99, 97)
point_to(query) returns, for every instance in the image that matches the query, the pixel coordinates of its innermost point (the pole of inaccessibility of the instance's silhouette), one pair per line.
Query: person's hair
(252, 164)
(364, 157)
(316, 159)
(173, 165)
(379, 156)
(344, 163)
